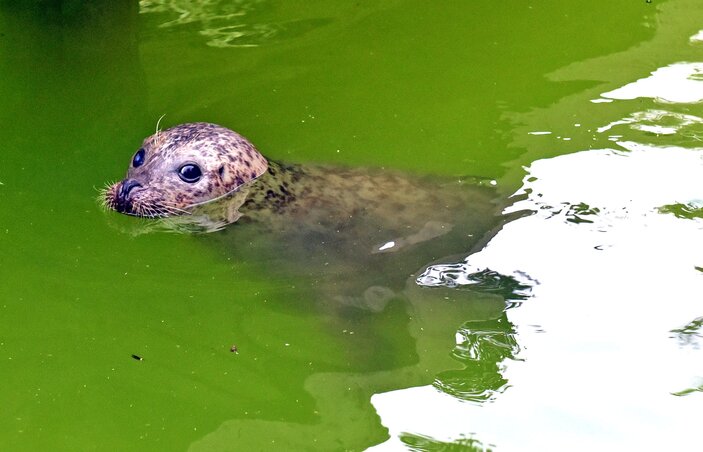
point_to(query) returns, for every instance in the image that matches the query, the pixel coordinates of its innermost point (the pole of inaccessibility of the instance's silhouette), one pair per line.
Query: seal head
(182, 167)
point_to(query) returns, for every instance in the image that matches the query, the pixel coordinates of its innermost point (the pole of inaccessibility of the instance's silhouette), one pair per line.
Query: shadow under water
(352, 277)
(357, 270)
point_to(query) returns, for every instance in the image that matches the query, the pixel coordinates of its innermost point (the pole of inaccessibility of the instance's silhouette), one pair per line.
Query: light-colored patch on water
(660, 122)
(619, 261)
(698, 37)
(677, 83)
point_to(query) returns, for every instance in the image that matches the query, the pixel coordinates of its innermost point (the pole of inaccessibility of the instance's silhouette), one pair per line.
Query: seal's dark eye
(189, 173)
(138, 159)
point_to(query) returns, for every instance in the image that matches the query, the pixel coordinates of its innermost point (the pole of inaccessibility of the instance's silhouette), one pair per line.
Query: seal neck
(275, 191)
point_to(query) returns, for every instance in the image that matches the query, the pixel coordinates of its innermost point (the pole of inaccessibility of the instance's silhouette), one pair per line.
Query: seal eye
(138, 159)
(189, 173)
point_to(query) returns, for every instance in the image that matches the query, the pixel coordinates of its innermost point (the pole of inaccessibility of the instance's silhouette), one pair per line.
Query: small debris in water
(234, 349)
(138, 358)
(386, 246)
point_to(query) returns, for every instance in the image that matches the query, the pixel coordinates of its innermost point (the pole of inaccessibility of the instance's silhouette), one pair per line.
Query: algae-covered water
(571, 322)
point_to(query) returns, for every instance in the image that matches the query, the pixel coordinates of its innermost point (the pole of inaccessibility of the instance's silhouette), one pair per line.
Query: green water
(450, 89)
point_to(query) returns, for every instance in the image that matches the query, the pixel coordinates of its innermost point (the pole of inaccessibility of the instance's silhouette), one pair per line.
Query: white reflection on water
(698, 37)
(618, 277)
(610, 292)
(677, 83)
(660, 122)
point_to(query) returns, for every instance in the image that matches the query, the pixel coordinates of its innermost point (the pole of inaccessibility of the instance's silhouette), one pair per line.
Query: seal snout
(122, 199)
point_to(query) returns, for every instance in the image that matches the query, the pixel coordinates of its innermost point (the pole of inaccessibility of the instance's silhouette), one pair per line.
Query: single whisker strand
(159, 122)
(175, 210)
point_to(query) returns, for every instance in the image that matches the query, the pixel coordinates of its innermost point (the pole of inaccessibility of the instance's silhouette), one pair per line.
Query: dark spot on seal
(221, 172)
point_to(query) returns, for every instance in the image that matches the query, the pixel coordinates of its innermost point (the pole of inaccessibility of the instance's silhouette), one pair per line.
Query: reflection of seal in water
(189, 166)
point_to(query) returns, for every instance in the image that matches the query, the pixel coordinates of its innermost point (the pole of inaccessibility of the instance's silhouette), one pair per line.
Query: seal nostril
(127, 186)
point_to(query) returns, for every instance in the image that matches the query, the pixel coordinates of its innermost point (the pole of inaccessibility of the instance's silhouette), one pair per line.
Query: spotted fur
(227, 161)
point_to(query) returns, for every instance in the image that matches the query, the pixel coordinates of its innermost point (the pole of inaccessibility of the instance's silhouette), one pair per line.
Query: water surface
(573, 107)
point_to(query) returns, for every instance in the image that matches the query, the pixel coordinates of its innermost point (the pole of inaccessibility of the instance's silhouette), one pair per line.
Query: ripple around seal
(483, 348)
(689, 211)
(657, 126)
(689, 334)
(473, 385)
(485, 280)
(415, 442)
(486, 341)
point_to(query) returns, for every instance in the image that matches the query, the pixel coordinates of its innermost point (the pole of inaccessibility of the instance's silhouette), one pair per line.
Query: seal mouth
(204, 217)
(119, 197)
(149, 210)
(128, 198)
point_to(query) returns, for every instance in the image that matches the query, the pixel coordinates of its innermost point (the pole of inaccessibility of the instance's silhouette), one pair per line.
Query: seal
(351, 235)
(201, 167)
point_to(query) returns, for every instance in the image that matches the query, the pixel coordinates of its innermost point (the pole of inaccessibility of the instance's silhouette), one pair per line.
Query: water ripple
(689, 334)
(454, 275)
(224, 23)
(483, 347)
